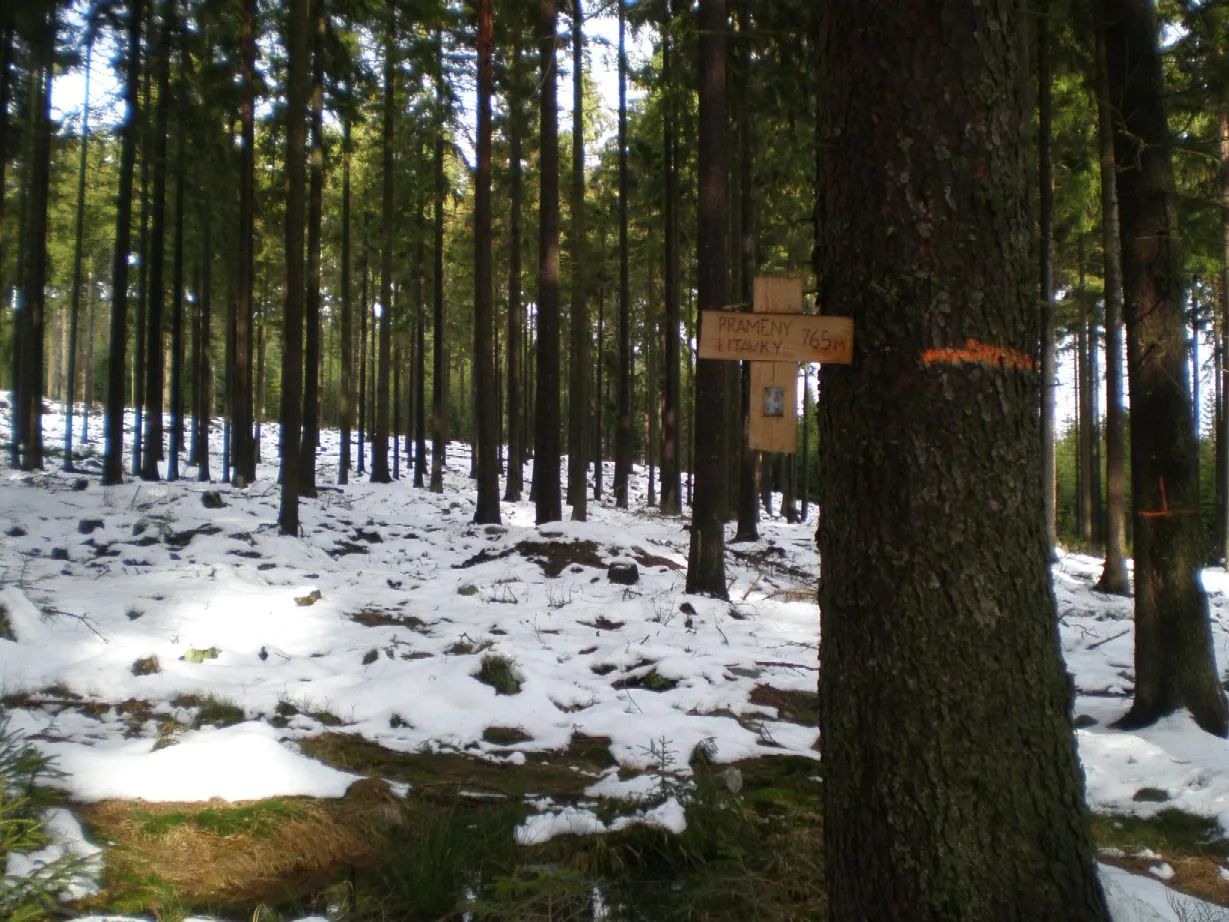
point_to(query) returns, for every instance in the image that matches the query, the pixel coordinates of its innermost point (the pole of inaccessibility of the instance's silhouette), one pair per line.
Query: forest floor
(400, 714)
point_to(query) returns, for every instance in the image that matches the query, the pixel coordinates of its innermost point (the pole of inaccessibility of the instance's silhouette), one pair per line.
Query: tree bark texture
(952, 790)
(1174, 660)
(345, 398)
(578, 376)
(79, 235)
(243, 448)
(514, 366)
(486, 408)
(706, 557)
(113, 453)
(623, 410)
(548, 499)
(292, 311)
(1045, 220)
(671, 478)
(315, 217)
(439, 384)
(379, 440)
(1114, 577)
(177, 293)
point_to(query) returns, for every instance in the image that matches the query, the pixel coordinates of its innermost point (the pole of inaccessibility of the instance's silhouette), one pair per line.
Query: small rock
(310, 599)
(687, 608)
(89, 526)
(212, 499)
(1150, 796)
(80, 484)
(1083, 721)
(17, 531)
(263, 654)
(59, 553)
(623, 573)
(732, 778)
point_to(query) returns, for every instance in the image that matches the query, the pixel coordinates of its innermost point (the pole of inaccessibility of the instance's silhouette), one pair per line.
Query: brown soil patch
(556, 556)
(444, 773)
(645, 559)
(379, 617)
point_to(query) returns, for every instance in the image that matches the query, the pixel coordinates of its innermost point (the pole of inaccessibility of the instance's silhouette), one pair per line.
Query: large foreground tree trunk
(516, 311)
(379, 428)
(951, 785)
(1174, 661)
(315, 217)
(706, 558)
(578, 369)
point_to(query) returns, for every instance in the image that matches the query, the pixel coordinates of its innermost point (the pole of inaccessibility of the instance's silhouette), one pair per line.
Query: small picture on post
(774, 401)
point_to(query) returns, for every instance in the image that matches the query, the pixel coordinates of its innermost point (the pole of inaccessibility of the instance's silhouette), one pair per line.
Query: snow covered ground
(380, 614)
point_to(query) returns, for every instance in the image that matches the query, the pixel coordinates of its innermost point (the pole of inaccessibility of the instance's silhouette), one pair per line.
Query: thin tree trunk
(546, 487)
(315, 216)
(87, 397)
(748, 501)
(671, 480)
(138, 354)
(363, 314)
(204, 371)
(420, 344)
(113, 456)
(486, 410)
(79, 236)
(154, 357)
(345, 404)
(1084, 343)
(578, 403)
(1175, 664)
(623, 427)
(1114, 577)
(439, 387)
(34, 307)
(706, 558)
(292, 313)
(243, 449)
(177, 286)
(516, 311)
(379, 441)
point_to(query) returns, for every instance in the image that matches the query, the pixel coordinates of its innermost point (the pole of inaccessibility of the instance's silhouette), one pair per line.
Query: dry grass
(235, 855)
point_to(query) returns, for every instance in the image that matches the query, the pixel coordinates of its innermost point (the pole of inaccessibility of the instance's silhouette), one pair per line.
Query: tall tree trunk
(748, 501)
(113, 455)
(6, 57)
(1174, 660)
(1114, 577)
(1086, 343)
(315, 216)
(34, 306)
(578, 401)
(379, 441)
(486, 409)
(138, 352)
(439, 386)
(363, 314)
(297, 86)
(1223, 430)
(243, 449)
(420, 343)
(623, 423)
(952, 788)
(87, 397)
(546, 488)
(1049, 354)
(706, 558)
(79, 236)
(599, 394)
(345, 399)
(204, 369)
(155, 356)
(671, 479)
(177, 286)
(516, 311)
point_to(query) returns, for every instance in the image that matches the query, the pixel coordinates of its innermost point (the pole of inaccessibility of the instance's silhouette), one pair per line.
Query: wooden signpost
(775, 338)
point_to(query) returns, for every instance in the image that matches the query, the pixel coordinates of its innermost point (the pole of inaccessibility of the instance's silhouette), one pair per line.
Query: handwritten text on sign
(776, 337)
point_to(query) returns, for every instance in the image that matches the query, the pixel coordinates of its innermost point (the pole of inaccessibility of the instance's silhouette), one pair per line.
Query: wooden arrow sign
(776, 337)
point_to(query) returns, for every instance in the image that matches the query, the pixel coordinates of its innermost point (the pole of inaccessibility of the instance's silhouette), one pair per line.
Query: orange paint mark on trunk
(978, 353)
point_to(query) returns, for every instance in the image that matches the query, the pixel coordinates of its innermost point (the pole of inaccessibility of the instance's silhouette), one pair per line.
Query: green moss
(468, 590)
(146, 665)
(255, 819)
(199, 656)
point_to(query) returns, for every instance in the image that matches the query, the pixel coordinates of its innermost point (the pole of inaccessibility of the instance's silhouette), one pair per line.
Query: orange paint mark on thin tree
(978, 353)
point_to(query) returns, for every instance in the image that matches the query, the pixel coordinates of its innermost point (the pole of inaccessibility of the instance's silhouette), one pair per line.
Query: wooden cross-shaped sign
(775, 338)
